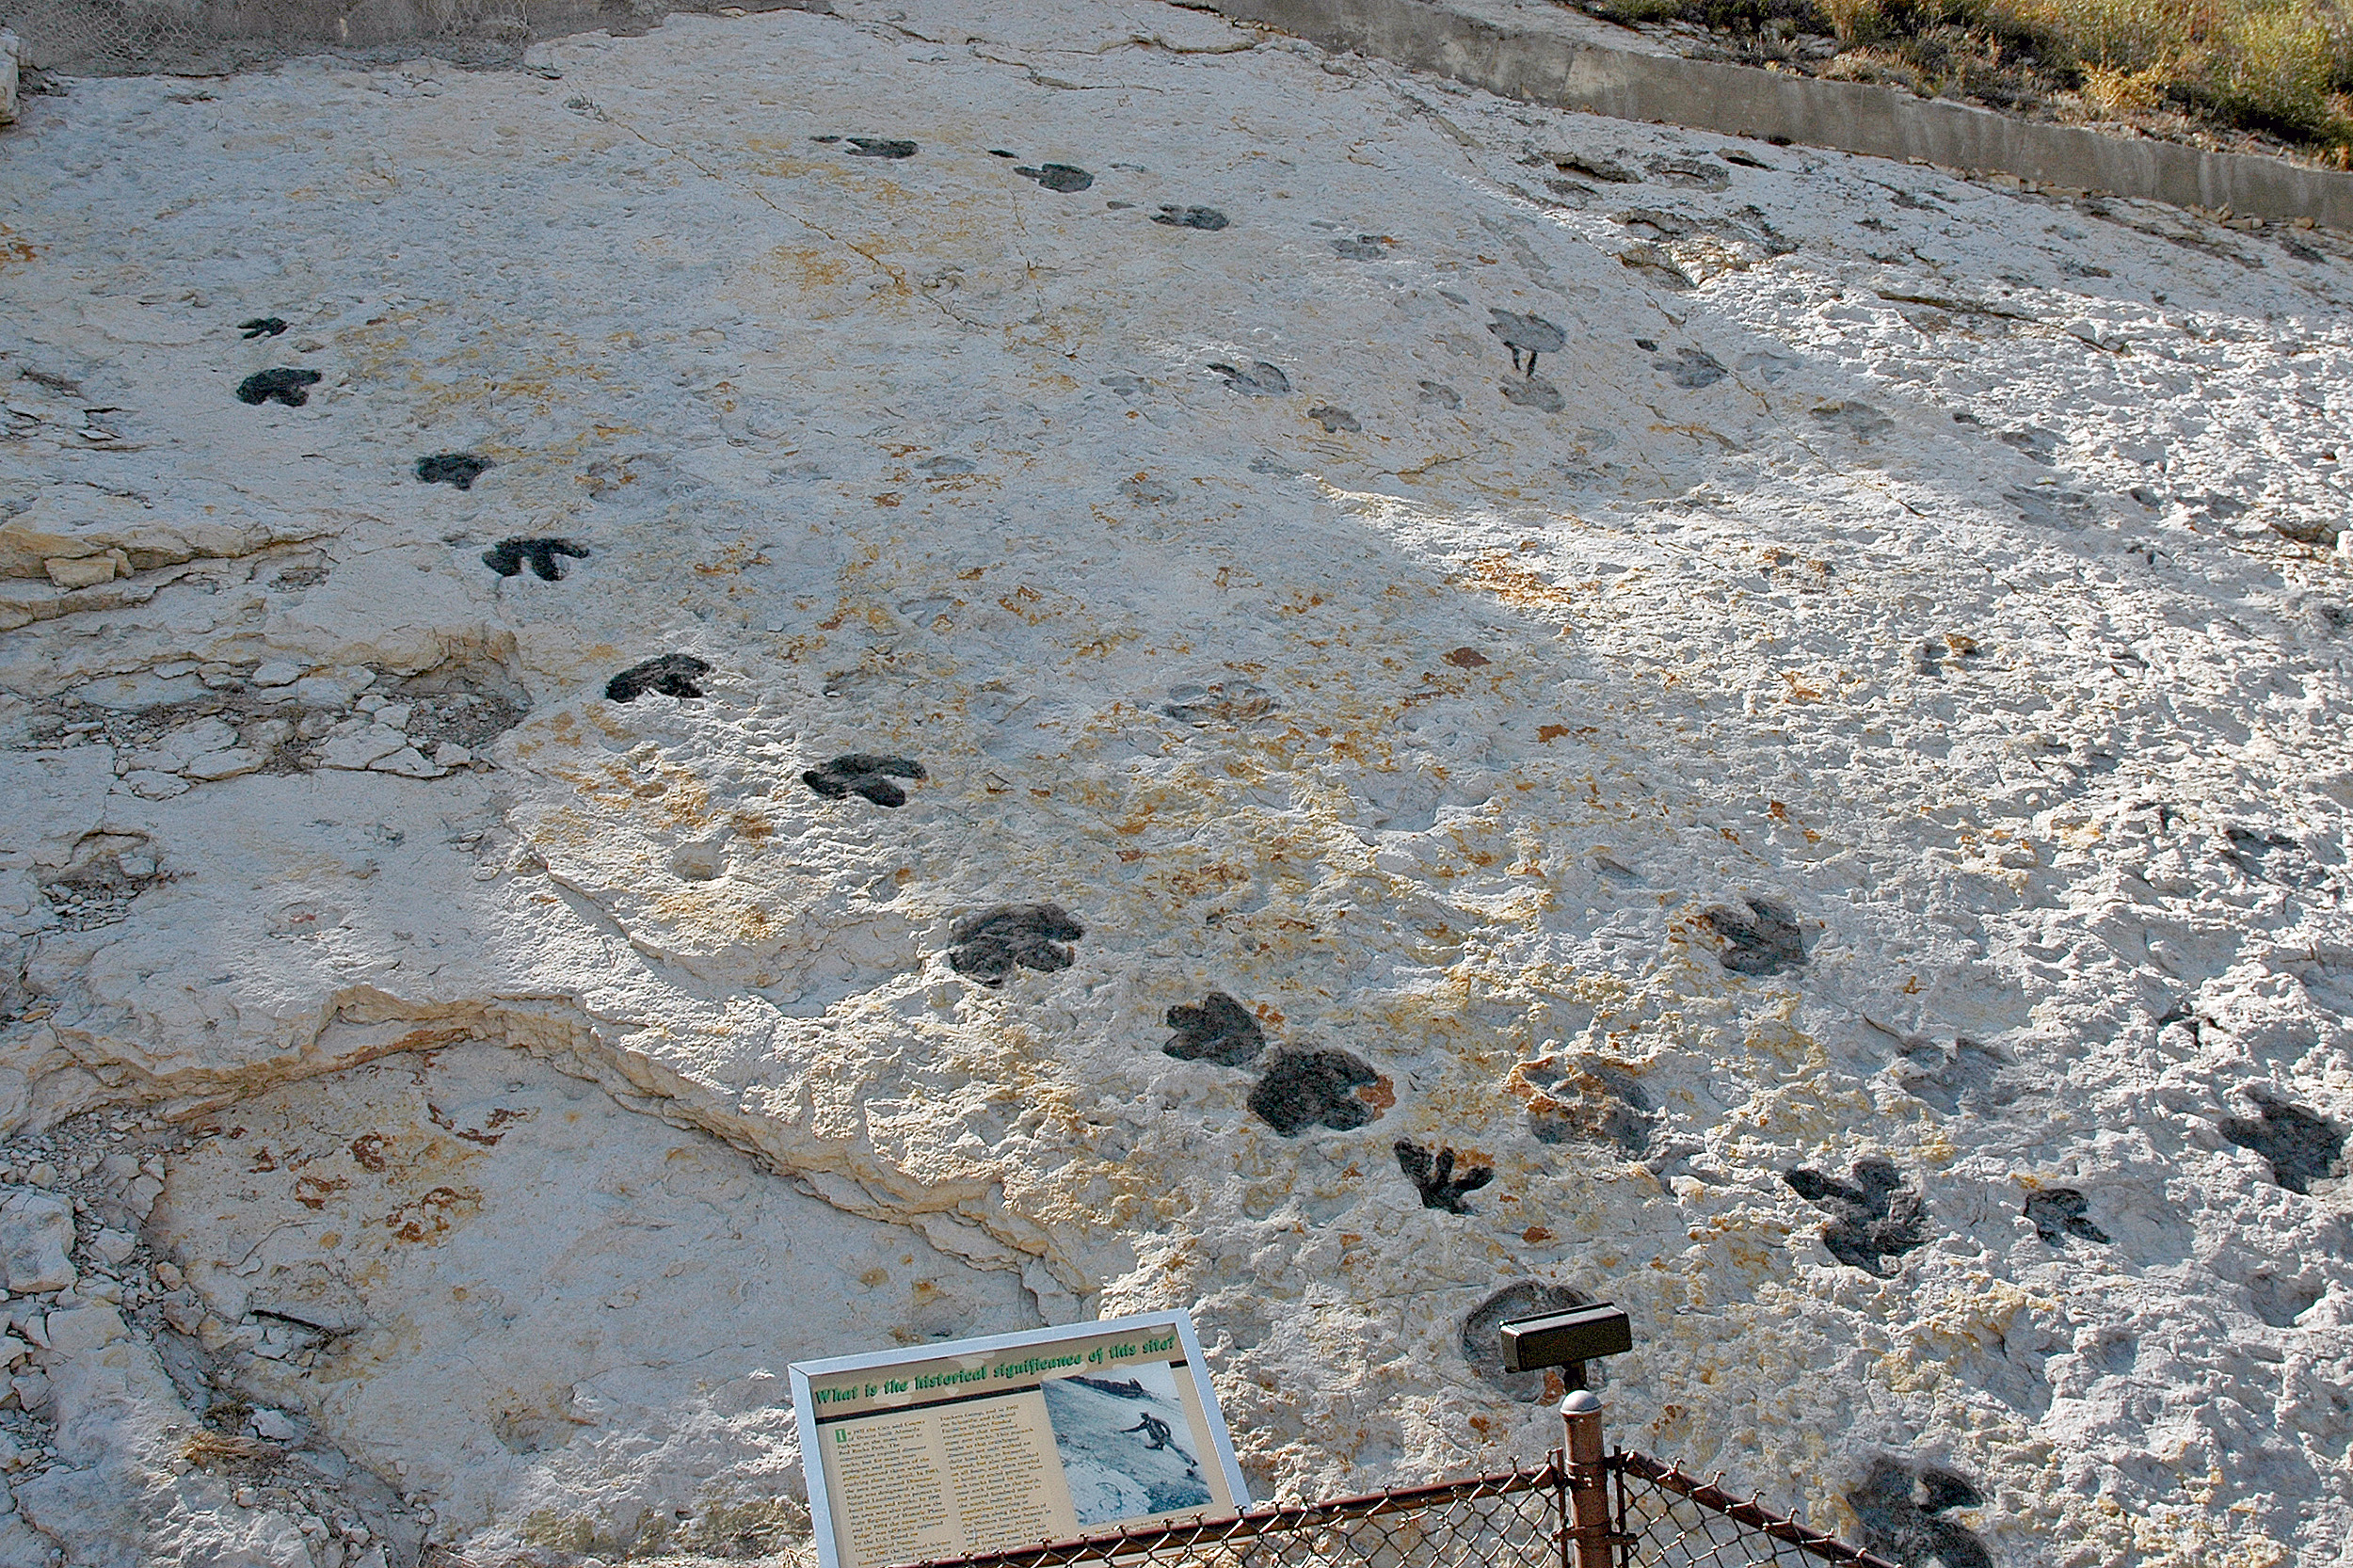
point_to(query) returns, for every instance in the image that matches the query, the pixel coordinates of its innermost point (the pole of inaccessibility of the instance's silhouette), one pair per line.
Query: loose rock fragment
(1762, 946)
(1872, 1218)
(2059, 1212)
(1303, 1088)
(864, 774)
(460, 469)
(289, 387)
(672, 675)
(1334, 420)
(262, 327)
(881, 147)
(1221, 1030)
(1435, 1181)
(1899, 1507)
(990, 945)
(1364, 248)
(2302, 1147)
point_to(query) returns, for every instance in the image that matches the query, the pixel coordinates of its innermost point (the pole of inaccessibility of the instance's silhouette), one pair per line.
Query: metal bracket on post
(1588, 1481)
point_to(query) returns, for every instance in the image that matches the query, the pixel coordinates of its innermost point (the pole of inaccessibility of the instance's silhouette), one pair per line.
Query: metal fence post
(1589, 1479)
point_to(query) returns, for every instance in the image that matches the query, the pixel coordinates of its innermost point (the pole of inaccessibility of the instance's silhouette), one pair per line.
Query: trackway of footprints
(1873, 1217)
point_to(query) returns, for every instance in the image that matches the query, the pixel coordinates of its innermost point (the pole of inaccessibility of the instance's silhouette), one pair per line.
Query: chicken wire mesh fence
(1519, 1518)
(106, 37)
(116, 38)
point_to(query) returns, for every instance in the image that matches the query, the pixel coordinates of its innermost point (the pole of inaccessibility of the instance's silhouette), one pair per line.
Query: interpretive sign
(976, 1445)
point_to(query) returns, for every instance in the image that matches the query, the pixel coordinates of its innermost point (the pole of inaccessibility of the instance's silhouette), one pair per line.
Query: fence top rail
(1742, 1511)
(1277, 1519)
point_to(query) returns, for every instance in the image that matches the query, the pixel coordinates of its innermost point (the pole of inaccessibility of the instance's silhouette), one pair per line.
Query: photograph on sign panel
(1124, 1442)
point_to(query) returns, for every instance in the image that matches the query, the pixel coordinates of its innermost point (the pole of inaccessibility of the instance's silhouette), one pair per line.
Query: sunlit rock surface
(1793, 709)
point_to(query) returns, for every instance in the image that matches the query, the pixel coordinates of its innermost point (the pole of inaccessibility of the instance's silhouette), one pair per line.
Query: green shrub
(2281, 66)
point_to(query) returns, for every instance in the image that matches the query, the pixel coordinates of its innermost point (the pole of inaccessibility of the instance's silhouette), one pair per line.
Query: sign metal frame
(804, 1416)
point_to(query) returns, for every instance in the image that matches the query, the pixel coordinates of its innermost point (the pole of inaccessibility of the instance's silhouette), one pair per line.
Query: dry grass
(2282, 70)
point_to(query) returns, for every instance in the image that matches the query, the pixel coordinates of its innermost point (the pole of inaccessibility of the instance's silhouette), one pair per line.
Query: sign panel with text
(980, 1445)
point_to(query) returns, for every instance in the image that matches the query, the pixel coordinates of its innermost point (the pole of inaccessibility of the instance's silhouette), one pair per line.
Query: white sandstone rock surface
(1870, 704)
(36, 1241)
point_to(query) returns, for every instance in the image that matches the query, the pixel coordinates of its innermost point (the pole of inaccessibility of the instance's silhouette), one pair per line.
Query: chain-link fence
(1519, 1518)
(1666, 1516)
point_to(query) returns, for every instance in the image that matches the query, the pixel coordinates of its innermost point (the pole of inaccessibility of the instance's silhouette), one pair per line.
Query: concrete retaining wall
(1547, 66)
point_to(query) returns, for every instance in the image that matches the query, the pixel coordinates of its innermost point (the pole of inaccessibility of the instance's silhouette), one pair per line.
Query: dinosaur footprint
(1766, 945)
(1440, 1187)
(1872, 1217)
(990, 945)
(1221, 1030)
(289, 387)
(1066, 178)
(460, 469)
(1208, 219)
(1301, 1089)
(1260, 380)
(672, 675)
(509, 556)
(858, 773)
